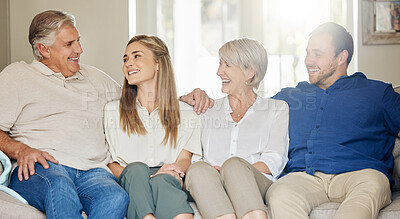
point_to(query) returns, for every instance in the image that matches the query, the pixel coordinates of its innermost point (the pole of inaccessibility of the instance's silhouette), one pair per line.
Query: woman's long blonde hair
(166, 93)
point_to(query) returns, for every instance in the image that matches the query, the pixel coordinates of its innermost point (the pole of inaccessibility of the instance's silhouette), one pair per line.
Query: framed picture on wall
(380, 22)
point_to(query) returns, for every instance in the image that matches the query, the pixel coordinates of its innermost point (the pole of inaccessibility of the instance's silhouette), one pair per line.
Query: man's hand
(27, 158)
(199, 100)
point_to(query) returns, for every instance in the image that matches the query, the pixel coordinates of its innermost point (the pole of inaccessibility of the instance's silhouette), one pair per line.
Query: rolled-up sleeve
(192, 127)
(111, 124)
(275, 153)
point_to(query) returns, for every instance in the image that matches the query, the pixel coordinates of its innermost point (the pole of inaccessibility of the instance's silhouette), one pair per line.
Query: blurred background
(195, 29)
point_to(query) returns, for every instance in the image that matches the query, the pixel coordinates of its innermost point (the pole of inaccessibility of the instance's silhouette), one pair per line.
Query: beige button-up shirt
(147, 148)
(63, 116)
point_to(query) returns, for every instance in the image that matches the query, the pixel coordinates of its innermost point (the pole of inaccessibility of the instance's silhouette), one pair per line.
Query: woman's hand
(172, 169)
(218, 168)
(262, 167)
(177, 169)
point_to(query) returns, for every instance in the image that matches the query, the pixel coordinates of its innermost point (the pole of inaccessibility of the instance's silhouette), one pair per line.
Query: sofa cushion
(11, 208)
(396, 167)
(328, 210)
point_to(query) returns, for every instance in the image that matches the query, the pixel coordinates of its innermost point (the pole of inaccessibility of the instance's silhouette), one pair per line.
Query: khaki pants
(361, 194)
(238, 189)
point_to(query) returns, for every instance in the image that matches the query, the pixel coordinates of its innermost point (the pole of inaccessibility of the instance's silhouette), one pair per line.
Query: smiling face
(233, 78)
(139, 65)
(63, 56)
(321, 62)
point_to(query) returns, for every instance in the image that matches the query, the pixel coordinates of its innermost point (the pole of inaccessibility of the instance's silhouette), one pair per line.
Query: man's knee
(278, 193)
(117, 199)
(376, 178)
(374, 182)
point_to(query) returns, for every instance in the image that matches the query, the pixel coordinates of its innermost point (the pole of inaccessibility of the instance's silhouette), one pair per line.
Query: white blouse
(147, 148)
(261, 135)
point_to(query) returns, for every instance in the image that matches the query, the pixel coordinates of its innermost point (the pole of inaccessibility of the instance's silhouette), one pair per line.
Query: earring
(246, 83)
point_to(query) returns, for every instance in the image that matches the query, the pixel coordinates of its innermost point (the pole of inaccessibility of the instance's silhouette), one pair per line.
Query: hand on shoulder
(199, 99)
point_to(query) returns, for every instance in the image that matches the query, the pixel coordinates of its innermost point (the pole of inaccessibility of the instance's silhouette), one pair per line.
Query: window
(195, 29)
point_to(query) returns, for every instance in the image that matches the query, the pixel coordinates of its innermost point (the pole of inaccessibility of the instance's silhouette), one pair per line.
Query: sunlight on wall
(195, 29)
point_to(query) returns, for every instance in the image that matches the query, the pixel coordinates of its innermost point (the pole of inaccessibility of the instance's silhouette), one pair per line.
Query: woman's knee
(233, 164)
(198, 169)
(136, 169)
(164, 179)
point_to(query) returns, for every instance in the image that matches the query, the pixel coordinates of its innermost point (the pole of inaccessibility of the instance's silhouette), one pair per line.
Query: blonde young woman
(151, 135)
(244, 139)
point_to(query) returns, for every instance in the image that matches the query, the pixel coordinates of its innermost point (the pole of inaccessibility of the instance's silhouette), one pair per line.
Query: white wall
(3, 34)
(103, 26)
(380, 62)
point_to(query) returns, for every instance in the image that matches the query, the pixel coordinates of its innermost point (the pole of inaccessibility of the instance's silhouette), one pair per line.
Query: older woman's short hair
(248, 54)
(44, 28)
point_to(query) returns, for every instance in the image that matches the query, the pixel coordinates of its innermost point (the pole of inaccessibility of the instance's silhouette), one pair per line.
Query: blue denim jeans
(63, 192)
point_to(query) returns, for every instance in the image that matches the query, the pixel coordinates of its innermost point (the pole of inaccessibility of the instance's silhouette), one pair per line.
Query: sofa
(11, 208)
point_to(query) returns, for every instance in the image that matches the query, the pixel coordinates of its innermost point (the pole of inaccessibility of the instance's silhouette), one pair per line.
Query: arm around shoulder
(199, 100)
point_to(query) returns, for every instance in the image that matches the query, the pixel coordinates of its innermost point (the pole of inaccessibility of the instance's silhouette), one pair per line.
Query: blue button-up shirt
(347, 127)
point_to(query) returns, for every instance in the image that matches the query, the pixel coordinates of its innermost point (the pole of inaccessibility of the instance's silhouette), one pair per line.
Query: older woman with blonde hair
(244, 139)
(151, 135)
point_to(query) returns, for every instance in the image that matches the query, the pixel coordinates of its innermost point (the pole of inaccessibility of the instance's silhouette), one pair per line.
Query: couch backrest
(396, 155)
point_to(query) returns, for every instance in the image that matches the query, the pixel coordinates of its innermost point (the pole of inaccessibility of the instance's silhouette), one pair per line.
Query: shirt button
(321, 108)
(233, 140)
(327, 92)
(317, 126)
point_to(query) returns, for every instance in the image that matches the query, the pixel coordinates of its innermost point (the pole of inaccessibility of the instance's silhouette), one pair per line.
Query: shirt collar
(47, 71)
(343, 80)
(143, 108)
(335, 85)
